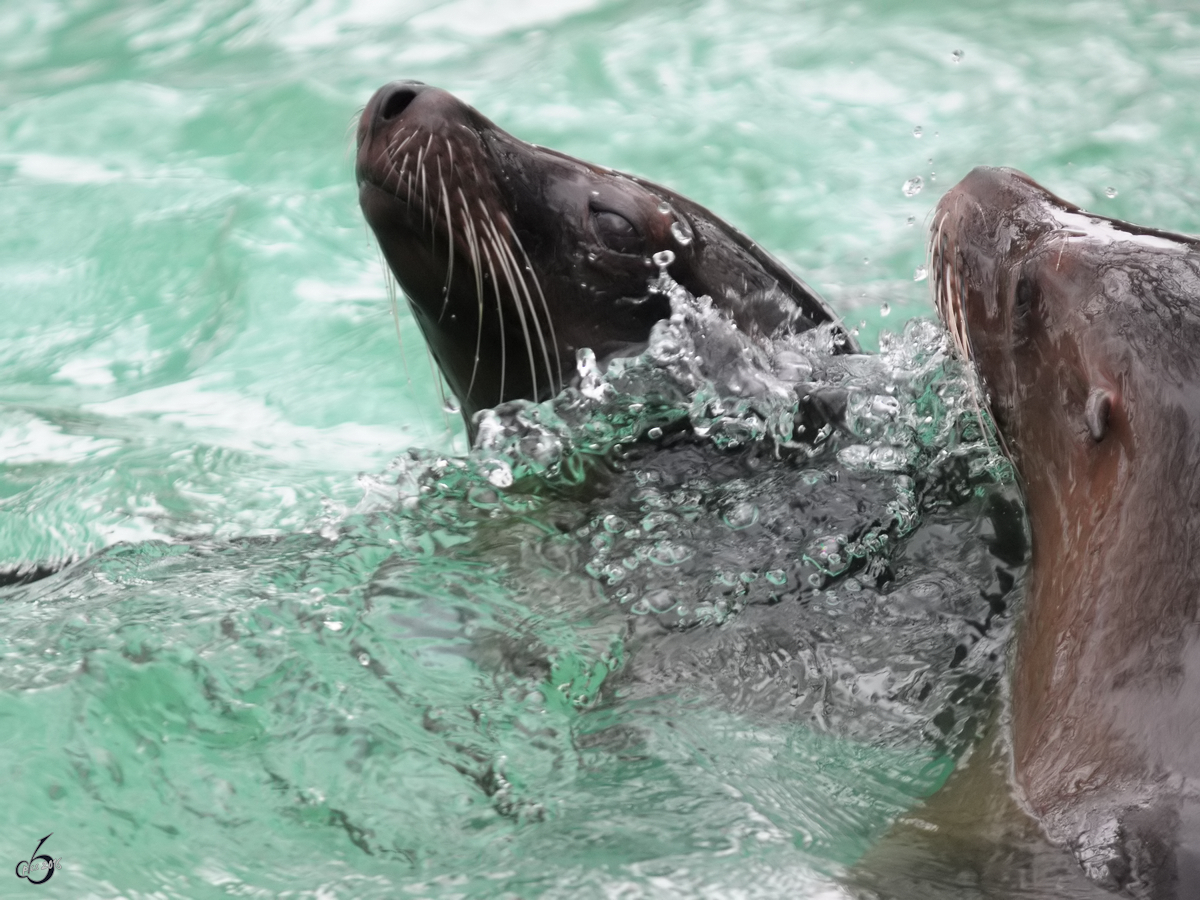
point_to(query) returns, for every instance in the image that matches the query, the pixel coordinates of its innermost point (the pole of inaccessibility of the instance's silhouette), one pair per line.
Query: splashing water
(719, 550)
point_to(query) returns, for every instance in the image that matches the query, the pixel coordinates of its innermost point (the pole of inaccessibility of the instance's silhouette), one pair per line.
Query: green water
(198, 344)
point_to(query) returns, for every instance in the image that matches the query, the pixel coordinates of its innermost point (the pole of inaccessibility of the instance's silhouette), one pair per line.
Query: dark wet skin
(546, 254)
(1086, 334)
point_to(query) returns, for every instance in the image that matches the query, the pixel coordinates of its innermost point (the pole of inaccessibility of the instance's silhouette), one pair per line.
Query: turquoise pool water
(198, 345)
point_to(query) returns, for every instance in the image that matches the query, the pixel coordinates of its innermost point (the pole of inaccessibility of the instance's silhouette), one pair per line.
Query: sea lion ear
(1096, 412)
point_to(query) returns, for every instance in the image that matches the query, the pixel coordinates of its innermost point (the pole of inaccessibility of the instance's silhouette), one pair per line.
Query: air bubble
(958, 55)
(451, 407)
(364, 659)
(663, 258)
(918, 131)
(742, 515)
(654, 433)
(913, 186)
(614, 524)
(1110, 192)
(885, 309)
(682, 232)
(920, 273)
(910, 221)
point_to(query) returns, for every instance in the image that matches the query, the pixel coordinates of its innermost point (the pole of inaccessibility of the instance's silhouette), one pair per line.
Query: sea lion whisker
(389, 281)
(396, 144)
(421, 158)
(351, 129)
(449, 246)
(486, 248)
(473, 247)
(499, 247)
(437, 206)
(393, 153)
(393, 171)
(519, 277)
(401, 174)
(557, 385)
(419, 177)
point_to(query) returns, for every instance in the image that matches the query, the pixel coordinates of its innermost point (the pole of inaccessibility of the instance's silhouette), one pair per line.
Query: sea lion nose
(388, 104)
(393, 99)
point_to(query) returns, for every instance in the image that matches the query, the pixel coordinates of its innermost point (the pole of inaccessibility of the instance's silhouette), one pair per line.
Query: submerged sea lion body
(515, 257)
(1086, 334)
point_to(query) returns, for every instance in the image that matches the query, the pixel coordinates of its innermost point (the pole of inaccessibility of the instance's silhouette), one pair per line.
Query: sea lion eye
(617, 233)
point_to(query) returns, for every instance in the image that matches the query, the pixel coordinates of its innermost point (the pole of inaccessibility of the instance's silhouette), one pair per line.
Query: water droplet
(499, 474)
(1110, 192)
(910, 221)
(920, 273)
(885, 309)
(918, 131)
(682, 232)
(364, 659)
(958, 55)
(913, 186)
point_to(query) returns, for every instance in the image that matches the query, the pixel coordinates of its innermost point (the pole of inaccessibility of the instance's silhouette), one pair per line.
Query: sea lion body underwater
(1086, 335)
(515, 257)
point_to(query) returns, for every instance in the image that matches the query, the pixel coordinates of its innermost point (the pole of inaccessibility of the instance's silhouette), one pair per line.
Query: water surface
(200, 371)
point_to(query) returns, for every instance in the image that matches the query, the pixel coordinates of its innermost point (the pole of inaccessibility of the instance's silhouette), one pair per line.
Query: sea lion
(1085, 330)
(514, 257)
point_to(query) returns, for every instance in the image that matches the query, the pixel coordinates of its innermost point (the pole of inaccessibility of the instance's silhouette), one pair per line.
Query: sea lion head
(514, 257)
(1075, 322)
